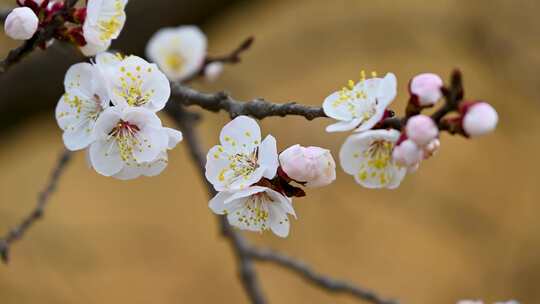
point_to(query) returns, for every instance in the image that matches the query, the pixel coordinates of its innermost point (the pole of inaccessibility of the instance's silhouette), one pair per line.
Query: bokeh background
(464, 226)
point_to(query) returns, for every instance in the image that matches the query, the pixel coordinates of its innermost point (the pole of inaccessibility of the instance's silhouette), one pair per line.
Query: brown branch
(41, 37)
(257, 108)
(19, 231)
(247, 253)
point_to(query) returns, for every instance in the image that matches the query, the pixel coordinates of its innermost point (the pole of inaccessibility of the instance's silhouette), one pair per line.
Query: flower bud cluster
(92, 27)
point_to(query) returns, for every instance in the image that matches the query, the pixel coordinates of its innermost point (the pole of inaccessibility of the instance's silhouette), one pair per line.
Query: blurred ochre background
(464, 226)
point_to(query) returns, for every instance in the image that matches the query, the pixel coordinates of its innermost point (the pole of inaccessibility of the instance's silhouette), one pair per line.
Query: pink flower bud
(213, 70)
(479, 119)
(21, 23)
(427, 88)
(432, 148)
(407, 154)
(313, 165)
(421, 129)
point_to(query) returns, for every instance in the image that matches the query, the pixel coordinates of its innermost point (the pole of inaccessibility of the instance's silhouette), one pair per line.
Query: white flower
(242, 159)
(313, 165)
(135, 82)
(255, 209)
(179, 52)
(368, 157)
(77, 111)
(104, 22)
(421, 129)
(127, 137)
(155, 167)
(470, 302)
(427, 88)
(21, 23)
(212, 71)
(480, 118)
(360, 106)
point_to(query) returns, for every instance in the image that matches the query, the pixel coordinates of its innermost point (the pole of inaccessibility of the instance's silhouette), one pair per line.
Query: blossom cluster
(110, 107)
(92, 27)
(255, 185)
(380, 157)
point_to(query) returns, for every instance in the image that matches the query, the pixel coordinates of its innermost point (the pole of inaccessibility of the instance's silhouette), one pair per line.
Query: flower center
(174, 62)
(132, 88)
(379, 154)
(243, 165)
(255, 212)
(110, 27)
(125, 135)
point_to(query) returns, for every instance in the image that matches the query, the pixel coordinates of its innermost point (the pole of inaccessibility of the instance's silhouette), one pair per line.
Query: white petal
(217, 203)
(175, 137)
(387, 90)
(106, 122)
(342, 126)
(105, 157)
(80, 138)
(279, 222)
(335, 108)
(80, 76)
(268, 156)
(128, 172)
(153, 168)
(244, 194)
(151, 142)
(282, 201)
(372, 121)
(242, 134)
(76, 116)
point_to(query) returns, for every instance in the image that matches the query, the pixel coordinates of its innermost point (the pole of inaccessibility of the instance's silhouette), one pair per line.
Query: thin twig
(323, 281)
(232, 57)
(238, 243)
(41, 37)
(245, 252)
(17, 232)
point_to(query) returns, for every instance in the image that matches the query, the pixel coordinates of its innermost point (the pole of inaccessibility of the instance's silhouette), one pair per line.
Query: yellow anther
(351, 84)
